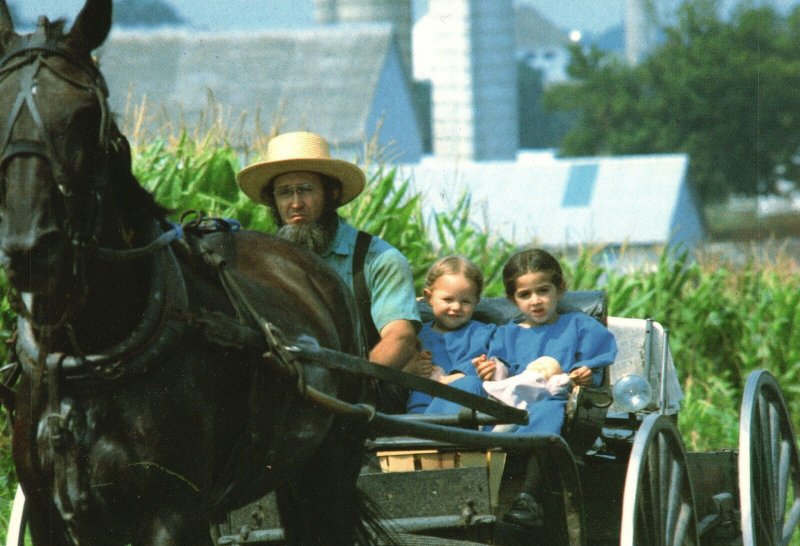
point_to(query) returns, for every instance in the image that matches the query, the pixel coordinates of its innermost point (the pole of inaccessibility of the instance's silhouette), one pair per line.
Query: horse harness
(361, 291)
(287, 356)
(166, 318)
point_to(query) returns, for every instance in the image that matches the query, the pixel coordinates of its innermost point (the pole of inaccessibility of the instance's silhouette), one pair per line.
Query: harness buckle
(58, 435)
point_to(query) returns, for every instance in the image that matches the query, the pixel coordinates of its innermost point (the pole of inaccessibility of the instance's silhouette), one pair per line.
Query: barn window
(580, 185)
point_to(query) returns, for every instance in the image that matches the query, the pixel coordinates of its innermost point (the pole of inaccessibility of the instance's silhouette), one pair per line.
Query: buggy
(620, 475)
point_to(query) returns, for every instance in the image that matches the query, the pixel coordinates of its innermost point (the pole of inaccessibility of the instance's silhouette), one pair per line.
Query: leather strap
(230, 332)
(352, 364)
(361, 291)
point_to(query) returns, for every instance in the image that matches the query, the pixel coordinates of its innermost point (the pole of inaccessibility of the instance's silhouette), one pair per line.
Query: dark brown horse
(142, 414)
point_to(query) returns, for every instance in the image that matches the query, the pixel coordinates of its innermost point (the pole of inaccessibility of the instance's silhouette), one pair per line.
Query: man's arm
(397, 346)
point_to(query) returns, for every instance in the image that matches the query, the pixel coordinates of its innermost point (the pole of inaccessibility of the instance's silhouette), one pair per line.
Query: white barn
(630, 201)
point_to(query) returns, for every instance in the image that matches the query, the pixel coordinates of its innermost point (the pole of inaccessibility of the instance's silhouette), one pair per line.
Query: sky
(585, 15)
(593, 16)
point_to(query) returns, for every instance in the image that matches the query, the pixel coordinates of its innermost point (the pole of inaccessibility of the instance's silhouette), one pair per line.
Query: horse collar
(155, 335)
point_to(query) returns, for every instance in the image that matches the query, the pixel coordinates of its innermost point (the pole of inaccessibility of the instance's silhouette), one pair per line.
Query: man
(303, 186)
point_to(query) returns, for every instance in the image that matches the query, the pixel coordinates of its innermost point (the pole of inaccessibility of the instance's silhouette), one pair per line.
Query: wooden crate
(431, 459)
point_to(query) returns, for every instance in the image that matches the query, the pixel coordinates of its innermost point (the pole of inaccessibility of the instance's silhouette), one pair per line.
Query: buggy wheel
(769, 467)
(658, 503)
(17, 522)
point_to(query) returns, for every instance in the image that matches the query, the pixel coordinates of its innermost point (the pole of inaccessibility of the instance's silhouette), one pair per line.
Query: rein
(285, 356)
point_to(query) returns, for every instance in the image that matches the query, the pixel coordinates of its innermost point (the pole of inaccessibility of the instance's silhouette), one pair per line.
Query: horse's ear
(6, 23)
(91, 27)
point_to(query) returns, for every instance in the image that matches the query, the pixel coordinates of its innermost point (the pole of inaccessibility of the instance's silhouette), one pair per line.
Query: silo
(396, 12)
(474, 79)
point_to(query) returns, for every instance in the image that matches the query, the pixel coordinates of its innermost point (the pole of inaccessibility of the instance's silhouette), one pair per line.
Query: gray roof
(323, 80)
(533, 30)
(635, 200)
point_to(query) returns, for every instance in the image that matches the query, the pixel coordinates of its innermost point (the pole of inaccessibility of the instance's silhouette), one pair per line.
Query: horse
(143, 413)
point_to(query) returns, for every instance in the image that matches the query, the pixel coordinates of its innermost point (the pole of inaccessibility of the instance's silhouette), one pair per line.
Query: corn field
(725, 320)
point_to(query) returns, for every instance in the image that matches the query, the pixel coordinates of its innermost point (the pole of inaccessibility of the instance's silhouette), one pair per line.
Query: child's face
(537, 297)
(452, 298)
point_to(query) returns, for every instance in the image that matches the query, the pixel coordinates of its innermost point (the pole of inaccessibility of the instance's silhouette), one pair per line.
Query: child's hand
(484, 367)
(479, 361)
(582, 376)
(421, 364)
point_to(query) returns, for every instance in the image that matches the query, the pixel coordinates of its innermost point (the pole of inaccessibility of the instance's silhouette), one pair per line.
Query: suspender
(363, 300)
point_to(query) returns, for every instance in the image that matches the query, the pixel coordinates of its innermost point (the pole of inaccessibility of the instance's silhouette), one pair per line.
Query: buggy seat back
(501, 310)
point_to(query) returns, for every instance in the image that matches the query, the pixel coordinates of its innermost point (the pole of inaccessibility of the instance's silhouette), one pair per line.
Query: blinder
(31, 56)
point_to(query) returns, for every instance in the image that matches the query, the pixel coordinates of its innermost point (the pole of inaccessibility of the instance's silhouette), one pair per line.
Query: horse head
(54, 139)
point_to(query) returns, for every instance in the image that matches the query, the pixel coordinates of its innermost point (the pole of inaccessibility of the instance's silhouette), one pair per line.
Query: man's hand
(421, 365)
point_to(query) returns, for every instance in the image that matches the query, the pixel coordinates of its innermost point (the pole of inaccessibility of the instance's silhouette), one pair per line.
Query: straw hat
(300, 151)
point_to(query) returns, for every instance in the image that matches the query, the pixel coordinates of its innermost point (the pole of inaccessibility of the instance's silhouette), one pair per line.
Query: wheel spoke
(653, 492)
(792, 521)
(784, 466)
(774, 467)
(644, 528)
(682, 527)
(663, 463)
(673, 503)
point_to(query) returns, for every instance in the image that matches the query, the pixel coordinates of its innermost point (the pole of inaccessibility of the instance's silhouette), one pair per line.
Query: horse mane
(134, 201)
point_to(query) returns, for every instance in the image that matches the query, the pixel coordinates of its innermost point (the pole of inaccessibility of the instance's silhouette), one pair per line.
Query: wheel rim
(658, 504)
(17, 521)
(769, 467)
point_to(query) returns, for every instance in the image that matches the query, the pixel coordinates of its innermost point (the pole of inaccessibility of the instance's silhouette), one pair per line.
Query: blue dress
(574, 339)
(452, 351)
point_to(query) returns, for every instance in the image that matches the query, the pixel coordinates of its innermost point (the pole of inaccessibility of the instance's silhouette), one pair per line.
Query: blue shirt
(387, 274)
(574, 339)
(452, 351)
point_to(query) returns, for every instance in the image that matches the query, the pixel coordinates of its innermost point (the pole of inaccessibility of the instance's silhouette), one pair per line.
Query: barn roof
(533, 30)
(292, 79)
(538, 199)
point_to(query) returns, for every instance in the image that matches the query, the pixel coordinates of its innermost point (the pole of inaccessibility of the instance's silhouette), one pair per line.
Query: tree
(727, 92)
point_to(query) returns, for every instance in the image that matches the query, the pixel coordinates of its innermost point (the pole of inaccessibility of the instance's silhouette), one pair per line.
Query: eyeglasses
(284, 193)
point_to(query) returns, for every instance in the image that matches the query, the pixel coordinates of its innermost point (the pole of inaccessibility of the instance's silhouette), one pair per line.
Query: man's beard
(311, 235)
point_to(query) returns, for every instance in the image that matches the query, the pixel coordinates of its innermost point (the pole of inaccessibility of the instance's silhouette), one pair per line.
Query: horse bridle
(33, 54)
